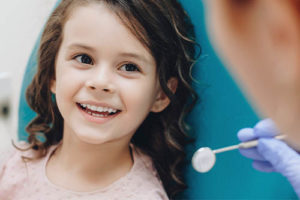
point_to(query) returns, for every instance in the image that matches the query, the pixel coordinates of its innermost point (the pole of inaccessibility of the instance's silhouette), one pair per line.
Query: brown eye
(129, 67)
(85, 59)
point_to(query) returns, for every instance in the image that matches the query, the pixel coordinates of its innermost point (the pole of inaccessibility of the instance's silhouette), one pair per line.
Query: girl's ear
(162, 101)
(53, 86)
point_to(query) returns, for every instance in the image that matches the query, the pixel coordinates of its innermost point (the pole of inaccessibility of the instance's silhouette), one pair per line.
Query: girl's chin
(94, 139)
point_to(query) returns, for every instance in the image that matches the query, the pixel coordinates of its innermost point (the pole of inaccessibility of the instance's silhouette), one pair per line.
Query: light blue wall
(221, 112)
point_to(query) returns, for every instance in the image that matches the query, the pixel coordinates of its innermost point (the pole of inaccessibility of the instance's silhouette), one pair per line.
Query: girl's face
(106, 81)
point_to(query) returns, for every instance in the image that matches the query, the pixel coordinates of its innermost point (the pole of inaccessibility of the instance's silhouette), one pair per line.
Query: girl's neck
(94, 165)
(90, 157)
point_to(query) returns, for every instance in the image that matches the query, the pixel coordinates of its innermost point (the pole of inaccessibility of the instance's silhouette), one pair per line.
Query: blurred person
(259, 42)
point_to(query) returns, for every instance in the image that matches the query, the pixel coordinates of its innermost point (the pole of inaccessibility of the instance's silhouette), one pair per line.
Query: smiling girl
(110, 93)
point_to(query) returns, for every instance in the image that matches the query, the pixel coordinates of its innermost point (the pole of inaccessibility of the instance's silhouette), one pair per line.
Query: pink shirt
(28, 181)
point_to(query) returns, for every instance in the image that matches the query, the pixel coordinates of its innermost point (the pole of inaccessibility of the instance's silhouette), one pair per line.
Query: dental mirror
(204, 158)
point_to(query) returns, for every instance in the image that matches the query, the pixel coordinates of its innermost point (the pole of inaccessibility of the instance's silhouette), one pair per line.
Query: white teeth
(98, 108)
(113, 111)
(88, 106)
(99, 115)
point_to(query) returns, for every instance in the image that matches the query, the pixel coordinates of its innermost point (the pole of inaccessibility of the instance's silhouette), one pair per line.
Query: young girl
(110, 93)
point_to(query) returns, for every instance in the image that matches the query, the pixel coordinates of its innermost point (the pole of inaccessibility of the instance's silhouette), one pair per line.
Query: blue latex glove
(271, 154)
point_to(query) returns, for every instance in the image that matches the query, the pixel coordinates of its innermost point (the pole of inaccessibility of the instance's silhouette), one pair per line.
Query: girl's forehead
(98, 27)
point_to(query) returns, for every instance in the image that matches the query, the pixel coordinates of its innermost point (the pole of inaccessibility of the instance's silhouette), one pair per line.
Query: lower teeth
(96, 115)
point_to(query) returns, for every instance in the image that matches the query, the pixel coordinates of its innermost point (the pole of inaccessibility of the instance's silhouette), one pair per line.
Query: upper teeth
(98, 108)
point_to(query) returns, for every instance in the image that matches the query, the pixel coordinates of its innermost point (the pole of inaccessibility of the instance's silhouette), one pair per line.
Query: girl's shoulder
(10, 155)
(15, 171)
(145, 179)
(8, 151)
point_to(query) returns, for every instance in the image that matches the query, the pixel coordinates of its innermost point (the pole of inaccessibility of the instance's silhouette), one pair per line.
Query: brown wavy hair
(164, 28)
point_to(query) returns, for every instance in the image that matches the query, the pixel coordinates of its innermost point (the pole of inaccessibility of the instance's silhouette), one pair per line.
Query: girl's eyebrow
(82, 46)
(135, 56)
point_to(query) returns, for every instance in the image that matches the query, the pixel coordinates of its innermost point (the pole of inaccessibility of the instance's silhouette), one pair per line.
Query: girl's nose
(101, 81)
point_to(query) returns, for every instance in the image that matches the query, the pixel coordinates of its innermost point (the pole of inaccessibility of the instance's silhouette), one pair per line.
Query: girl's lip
(96, 119)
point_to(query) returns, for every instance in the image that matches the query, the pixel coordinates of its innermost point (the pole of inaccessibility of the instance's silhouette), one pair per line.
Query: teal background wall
(221, 112)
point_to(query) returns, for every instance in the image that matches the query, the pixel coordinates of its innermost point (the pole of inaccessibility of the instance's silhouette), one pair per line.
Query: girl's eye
(83, 58)
(129, 67)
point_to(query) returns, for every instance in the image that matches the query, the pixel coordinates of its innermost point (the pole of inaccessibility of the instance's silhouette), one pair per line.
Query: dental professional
(259, 42)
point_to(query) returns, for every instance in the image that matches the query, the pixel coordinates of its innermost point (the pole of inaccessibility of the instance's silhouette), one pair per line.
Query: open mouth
(98, 111)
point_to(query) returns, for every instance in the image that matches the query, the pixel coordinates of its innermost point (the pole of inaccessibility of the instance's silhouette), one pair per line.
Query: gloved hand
(271, 154)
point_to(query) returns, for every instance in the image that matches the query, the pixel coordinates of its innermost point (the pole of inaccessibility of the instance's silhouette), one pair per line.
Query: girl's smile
(98, 113)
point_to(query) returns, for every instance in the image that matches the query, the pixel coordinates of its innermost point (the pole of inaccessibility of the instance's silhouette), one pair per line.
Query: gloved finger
(284, 160)
(265, 128)
(263, 166)
(280, 155)
(246, 134)
(252, 153)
